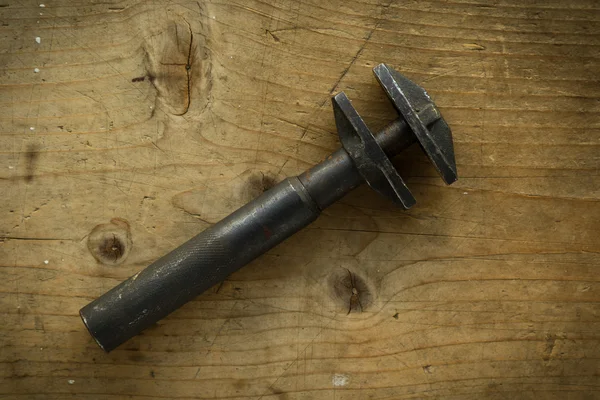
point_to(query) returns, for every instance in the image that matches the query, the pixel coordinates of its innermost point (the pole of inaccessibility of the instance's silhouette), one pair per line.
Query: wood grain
(170, 115)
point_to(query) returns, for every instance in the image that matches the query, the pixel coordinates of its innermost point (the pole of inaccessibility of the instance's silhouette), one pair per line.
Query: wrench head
(420, 113)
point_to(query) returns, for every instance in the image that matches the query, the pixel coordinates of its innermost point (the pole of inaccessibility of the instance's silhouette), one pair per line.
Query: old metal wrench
(228, 245)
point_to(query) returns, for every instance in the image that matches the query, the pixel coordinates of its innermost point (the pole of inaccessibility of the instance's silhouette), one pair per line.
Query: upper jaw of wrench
(423, 118)
(418, 110)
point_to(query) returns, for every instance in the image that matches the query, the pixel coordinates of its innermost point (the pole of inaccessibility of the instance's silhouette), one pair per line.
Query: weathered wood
(155, 119)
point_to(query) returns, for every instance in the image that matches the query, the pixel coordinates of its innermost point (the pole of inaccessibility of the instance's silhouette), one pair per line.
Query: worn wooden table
(127, 127)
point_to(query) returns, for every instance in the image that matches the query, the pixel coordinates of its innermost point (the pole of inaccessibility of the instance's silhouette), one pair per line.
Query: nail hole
(110, 243)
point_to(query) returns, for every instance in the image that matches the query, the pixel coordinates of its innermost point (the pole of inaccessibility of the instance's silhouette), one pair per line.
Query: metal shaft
(228, 245)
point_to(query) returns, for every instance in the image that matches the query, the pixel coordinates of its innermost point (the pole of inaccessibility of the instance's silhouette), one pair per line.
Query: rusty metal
(214, 254)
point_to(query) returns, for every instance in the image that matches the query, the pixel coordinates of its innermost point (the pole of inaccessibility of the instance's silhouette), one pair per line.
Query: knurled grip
(199, 264)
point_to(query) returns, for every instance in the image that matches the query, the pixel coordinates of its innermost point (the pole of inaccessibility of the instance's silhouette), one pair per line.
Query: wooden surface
(114, 152)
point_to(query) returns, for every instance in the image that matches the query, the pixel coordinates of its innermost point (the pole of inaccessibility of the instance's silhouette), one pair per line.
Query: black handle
(198, 264)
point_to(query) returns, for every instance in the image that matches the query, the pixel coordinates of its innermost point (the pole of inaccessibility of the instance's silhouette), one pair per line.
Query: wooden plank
(486, 289)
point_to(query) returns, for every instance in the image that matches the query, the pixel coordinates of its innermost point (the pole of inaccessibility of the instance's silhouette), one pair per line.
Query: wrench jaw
(368, 156)
(422, 116)
(426, 126)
